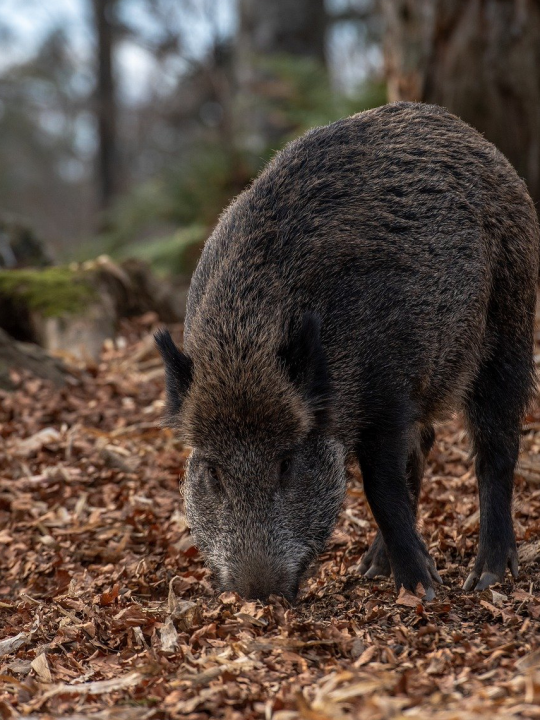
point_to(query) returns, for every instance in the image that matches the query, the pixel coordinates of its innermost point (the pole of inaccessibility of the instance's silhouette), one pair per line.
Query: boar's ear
(304, 358)
(178, 373)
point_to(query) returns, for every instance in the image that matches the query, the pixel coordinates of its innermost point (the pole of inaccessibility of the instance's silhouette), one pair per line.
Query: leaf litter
(107, 609)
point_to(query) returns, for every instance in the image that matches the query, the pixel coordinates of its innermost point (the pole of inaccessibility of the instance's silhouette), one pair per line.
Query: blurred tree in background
(44, 119)
(278, 43)
(478, 58)
(105, 101)
(127, 125)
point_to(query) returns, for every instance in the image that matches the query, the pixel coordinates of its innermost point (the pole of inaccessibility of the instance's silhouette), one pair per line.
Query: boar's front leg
(375, 562)
(383, 461)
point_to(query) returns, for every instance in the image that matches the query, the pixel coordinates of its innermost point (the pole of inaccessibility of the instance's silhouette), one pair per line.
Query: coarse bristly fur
(379, 273)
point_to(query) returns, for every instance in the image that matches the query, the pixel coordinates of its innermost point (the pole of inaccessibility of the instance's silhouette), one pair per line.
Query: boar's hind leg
(494, 411)
(383, 461)
(375, 562)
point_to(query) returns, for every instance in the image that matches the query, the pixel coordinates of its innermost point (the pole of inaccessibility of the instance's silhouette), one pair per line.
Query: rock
(24, 356)
(79, 336)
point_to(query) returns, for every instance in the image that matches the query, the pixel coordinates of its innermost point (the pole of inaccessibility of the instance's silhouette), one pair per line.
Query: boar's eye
(284, 467)
(213, 477)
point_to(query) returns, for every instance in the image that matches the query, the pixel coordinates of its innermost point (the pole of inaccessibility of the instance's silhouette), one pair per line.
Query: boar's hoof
(421, 571)
(480, 579)
(375, 562)
(473, 582)
(433, 572)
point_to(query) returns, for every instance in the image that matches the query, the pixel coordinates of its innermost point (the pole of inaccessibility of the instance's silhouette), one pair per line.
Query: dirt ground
(106, 609)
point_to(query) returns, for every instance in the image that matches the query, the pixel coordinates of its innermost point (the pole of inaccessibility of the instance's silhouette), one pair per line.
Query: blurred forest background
(124, 120)
(127, 125)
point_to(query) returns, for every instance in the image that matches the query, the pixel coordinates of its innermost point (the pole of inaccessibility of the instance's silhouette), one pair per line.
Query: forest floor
(106, 609)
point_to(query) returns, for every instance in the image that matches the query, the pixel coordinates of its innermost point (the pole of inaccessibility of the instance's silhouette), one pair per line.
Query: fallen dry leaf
(41, 667)
(169, 636)
(9, 645)
(102, 687)
(408, 598)
(31, 445)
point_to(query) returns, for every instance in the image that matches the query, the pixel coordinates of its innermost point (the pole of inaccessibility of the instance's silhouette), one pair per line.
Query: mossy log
(72, 309)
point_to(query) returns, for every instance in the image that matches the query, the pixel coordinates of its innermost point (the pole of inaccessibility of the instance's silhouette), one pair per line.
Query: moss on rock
(50, 291)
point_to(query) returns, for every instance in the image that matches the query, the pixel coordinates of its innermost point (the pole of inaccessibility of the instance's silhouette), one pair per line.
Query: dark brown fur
(413, 244)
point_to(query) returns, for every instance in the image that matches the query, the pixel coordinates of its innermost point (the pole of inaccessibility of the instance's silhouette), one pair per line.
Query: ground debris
(107, 610)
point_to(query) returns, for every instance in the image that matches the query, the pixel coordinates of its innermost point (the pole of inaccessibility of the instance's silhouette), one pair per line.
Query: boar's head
(265, 480)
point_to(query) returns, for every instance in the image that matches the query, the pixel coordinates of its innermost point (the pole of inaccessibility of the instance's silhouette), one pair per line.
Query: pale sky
(30, 20)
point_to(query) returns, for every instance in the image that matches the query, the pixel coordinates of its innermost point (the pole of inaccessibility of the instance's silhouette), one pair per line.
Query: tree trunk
(268, 33)
(107, 160)
(478, 58)
(281, 26)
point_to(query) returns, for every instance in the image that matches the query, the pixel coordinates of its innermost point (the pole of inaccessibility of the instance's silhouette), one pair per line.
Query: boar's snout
(257, 579)
(261, 590)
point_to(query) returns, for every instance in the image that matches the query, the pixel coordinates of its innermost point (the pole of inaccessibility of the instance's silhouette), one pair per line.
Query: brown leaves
(106, 606)
(407, 598)
(41, 667)
(107, 598)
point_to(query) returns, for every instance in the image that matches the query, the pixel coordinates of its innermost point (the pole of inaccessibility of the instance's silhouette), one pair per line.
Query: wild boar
(379, 273)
